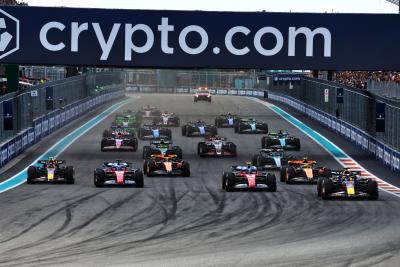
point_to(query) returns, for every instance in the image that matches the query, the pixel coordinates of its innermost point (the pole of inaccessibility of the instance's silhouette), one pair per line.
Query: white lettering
(43, 36)
(228, 40)
(309, 40)
(261, 49)
(164, 28)
(76, 30)
(203, 35)
(106, 45)
(129, 46)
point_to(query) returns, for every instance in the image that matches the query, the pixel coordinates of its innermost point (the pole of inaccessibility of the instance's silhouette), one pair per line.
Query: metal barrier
(383, 152)
(358, 108)
(50, 122)
(30, 104)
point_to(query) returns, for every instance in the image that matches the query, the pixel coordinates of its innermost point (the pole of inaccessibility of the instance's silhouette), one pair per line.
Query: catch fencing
(45, 98)
(358, 108)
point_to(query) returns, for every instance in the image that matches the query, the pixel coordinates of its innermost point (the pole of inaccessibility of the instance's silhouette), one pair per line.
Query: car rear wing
(340, 172)
(157, 142)
(301, 162)
(45, 161)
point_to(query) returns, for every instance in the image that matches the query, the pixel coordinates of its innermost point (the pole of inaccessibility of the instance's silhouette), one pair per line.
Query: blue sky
(337, 6)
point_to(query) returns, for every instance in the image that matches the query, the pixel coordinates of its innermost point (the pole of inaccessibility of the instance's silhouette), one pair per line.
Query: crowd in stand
(359, 79)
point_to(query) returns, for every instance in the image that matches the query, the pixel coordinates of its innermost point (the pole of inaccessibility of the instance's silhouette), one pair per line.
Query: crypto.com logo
(9, 34)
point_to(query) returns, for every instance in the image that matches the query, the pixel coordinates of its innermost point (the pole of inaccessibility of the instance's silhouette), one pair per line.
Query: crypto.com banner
(196, 39)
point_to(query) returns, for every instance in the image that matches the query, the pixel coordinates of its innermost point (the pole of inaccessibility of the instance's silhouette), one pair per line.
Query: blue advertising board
(200, 39)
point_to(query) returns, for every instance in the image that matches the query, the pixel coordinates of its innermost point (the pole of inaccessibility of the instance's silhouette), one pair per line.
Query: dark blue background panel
(196, 39)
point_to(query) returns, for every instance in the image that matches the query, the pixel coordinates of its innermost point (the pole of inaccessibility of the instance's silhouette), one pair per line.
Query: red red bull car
(118, 173)
(216, 147)
(51, 171)
(248, 177)
(347, 184)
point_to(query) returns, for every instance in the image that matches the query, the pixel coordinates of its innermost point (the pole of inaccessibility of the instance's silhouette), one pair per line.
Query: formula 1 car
(248, 177)
(198, 128)
(154, 132)
(347, 184)
(167, 119)
(280, 140)
(270, 159)
(251, 126)
(226, 120)
(202, 94)
(50, 170)
(118, 173)
(217, 147)
(150, 112)
(119, 140)
(303, 171)
(128, 118)
(161, 147)
(166, 165)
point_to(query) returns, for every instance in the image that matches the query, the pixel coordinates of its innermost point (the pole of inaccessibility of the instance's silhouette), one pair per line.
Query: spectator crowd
(359, 79)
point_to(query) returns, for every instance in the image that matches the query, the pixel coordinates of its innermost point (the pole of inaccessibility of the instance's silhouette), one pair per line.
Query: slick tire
(185, 169)
(32, 174)
(99, 178)
(326, 188)
(69, 175)
(230, 182)
(139, 182)
(372, 190)
(271, 182)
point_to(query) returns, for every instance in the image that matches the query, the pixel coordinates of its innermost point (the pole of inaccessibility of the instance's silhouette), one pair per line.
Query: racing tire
(138, 177)
(102, 145)
(99, 178)
(184, 128)
(32, 174)
(185, 169)
(319, 186)
(372, 190)
(144, 166)
(326, 188)
(263, 141)
(146, 152)
(69, 175)
(178, 152)
(237, 127)
(106, 134)
(201, 149)
(230, 182)
(223, 180)
(283, 174)
(232, 149)
(264, 127)
(297, 144)
(135, 145)
(271, 182)
(150, 167)
(290, 174)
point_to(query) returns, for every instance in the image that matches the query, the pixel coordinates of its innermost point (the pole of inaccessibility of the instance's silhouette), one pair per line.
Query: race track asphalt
(191, 221)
